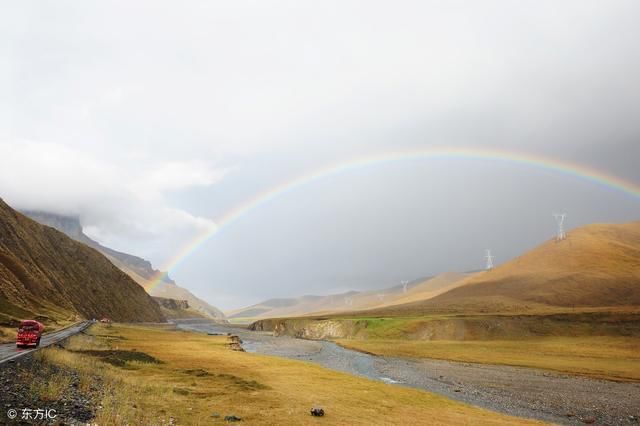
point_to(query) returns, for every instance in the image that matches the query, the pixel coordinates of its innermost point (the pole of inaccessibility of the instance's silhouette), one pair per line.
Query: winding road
(9, 351)
(523, 392)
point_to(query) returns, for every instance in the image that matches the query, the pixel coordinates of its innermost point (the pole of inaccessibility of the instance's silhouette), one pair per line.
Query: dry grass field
(152, 375)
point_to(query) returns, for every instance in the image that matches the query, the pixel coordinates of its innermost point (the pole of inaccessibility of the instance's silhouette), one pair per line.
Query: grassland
(191, 376)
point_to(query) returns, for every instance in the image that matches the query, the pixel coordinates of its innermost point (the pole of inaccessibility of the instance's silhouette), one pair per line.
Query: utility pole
(560, 217)
(489, 258)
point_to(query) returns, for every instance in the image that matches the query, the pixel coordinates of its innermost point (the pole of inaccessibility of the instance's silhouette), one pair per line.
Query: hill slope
(431, 288)
(45, 273)
(596, 266)
(136, 267)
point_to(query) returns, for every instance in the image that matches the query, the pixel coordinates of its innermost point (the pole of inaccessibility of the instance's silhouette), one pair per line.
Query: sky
(151, 120)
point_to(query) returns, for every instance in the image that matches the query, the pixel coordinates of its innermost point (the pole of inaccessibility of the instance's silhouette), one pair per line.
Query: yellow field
(199, 375)
(615, 358)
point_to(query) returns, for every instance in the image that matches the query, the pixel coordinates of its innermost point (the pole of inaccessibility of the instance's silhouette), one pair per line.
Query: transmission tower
(489, 258)
(404, 286)
(560, 217)
(348, 301)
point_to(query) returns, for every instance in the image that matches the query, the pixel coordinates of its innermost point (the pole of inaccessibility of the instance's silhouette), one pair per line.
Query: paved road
(523, 392)
(10, 351)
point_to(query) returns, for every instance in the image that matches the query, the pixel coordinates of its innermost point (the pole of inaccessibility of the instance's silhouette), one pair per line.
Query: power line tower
(489, 258)
(348, 301)
(404, 286)
(560, 217)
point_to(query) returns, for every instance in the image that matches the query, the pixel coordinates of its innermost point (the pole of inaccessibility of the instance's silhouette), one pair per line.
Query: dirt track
(523, 392)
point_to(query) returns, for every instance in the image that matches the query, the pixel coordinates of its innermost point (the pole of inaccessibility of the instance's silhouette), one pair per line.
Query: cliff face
(171, 303)
(45, 273)
(177, 309)
(139, 269)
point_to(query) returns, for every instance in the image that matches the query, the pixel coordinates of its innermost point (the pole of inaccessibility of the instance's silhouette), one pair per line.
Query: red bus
(29, 333)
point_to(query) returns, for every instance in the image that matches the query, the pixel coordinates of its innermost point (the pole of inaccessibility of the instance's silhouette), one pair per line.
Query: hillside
(421, 289)
(136, 267)
(432, 287)
(47, 275)
(596, 266)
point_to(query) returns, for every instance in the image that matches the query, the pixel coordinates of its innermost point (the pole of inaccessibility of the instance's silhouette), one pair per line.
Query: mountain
(420, 289)
(596, 266)
(47, 275)
(136, 267)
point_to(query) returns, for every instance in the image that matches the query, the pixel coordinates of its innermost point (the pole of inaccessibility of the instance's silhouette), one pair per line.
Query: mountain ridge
(139, 269)
(46, 274)
(309, 305)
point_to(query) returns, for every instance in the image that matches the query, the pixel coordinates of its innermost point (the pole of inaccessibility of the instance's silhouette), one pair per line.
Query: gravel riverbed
(523, 392)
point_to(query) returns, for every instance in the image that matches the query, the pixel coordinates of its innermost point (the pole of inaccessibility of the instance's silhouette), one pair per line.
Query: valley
(475, 379)
(155, 375)
(320, 213)
(535, 338)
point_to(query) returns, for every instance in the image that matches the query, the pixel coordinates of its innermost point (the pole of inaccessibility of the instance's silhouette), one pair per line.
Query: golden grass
(7, 334)
(50, 389)
(614, 358)
(200, 376)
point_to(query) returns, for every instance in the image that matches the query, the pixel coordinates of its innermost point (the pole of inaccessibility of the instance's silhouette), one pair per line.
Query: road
(9, 351)
(522, 392)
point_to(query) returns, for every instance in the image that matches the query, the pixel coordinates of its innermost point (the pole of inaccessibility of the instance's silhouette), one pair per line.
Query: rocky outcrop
(235, 343)
(311, 328)
(171, 303)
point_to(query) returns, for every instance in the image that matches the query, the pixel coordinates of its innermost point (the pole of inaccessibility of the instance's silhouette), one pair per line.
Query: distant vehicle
(29, 333)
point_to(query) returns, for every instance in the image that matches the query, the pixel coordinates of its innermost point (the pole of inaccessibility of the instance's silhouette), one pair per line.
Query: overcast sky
(150, 120)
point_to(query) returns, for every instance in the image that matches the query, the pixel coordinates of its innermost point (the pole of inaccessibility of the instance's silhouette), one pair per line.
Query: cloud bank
(112, 200)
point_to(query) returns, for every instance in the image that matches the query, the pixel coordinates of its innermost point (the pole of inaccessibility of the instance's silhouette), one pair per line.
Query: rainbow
(517, 158)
